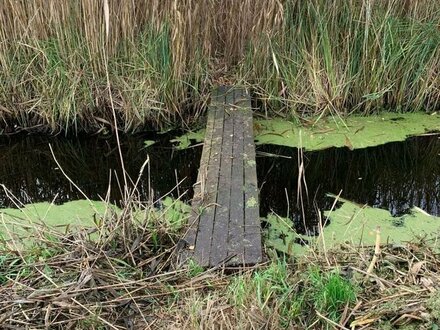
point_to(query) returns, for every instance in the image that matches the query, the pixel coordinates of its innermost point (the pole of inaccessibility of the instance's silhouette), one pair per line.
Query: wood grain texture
(225, 224)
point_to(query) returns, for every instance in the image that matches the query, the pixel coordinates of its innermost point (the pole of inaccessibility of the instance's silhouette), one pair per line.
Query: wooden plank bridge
(225, 224)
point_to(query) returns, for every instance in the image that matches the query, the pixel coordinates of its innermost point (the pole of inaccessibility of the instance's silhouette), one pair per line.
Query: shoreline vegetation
(122, 273)
(92, 65)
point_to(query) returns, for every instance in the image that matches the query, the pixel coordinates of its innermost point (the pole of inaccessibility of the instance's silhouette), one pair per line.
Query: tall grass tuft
(55, 57)
(160, 57)
(339, 57)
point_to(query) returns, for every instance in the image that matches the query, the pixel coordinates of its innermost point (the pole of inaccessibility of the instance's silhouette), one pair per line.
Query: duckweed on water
(73, 214)
(355, 224)
(358, 224)
(20, 223)
(354, 132)
(148, 143)
(185, 140)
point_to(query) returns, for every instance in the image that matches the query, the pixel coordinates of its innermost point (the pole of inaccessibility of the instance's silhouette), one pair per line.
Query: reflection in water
(28, 170)
(395, 176)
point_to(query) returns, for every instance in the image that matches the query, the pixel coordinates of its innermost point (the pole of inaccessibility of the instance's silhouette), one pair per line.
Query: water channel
(394, 176)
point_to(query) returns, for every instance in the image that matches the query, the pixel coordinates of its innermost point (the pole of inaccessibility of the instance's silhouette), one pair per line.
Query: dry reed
(304, 58)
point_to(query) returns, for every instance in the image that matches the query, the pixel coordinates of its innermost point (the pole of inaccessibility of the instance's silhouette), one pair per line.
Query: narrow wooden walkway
(225, 224)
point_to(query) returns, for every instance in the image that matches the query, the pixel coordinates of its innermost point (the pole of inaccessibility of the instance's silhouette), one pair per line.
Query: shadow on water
(394, 176)
(29, 171)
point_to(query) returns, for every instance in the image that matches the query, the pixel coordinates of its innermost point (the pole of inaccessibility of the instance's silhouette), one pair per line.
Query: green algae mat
(75, 215)
(355, 224)
(15, 223)
(355, 132)
(185, 141)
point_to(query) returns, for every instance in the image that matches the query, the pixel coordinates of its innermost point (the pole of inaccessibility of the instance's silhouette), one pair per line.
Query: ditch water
(30, 173)
(394, 176)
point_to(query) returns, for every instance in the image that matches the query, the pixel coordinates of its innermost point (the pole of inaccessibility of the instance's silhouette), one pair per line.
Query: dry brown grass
(211, 27)
(55, 56)
(128, 279)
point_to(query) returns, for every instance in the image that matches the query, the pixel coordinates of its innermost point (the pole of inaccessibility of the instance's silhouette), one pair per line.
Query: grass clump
(337, 58)
(433, 305)
(269, 290)
(292, 296)
(194, 269)
(329, 292)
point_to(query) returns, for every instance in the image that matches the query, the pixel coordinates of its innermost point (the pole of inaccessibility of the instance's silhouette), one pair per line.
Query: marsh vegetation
(76, 65)
(121, 274)
(91, 226)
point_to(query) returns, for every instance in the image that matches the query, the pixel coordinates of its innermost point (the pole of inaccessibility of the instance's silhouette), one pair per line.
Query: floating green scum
(356, 224)
(355, 132)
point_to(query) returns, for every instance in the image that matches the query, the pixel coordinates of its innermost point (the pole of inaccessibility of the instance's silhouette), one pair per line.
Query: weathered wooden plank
(200, 186)
(219, 243)
(225, 216)
(252, 232)
(207, 217)
(236, 211)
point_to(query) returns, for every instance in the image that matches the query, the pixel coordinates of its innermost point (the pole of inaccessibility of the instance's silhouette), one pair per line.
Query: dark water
(394, 176)
(29, 171)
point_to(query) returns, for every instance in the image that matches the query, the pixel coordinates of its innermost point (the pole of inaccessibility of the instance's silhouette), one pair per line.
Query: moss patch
(354, 133)
(251, 202)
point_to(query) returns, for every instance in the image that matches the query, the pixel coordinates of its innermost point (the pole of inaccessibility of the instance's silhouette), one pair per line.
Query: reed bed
(75, 65)
(340, 57)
